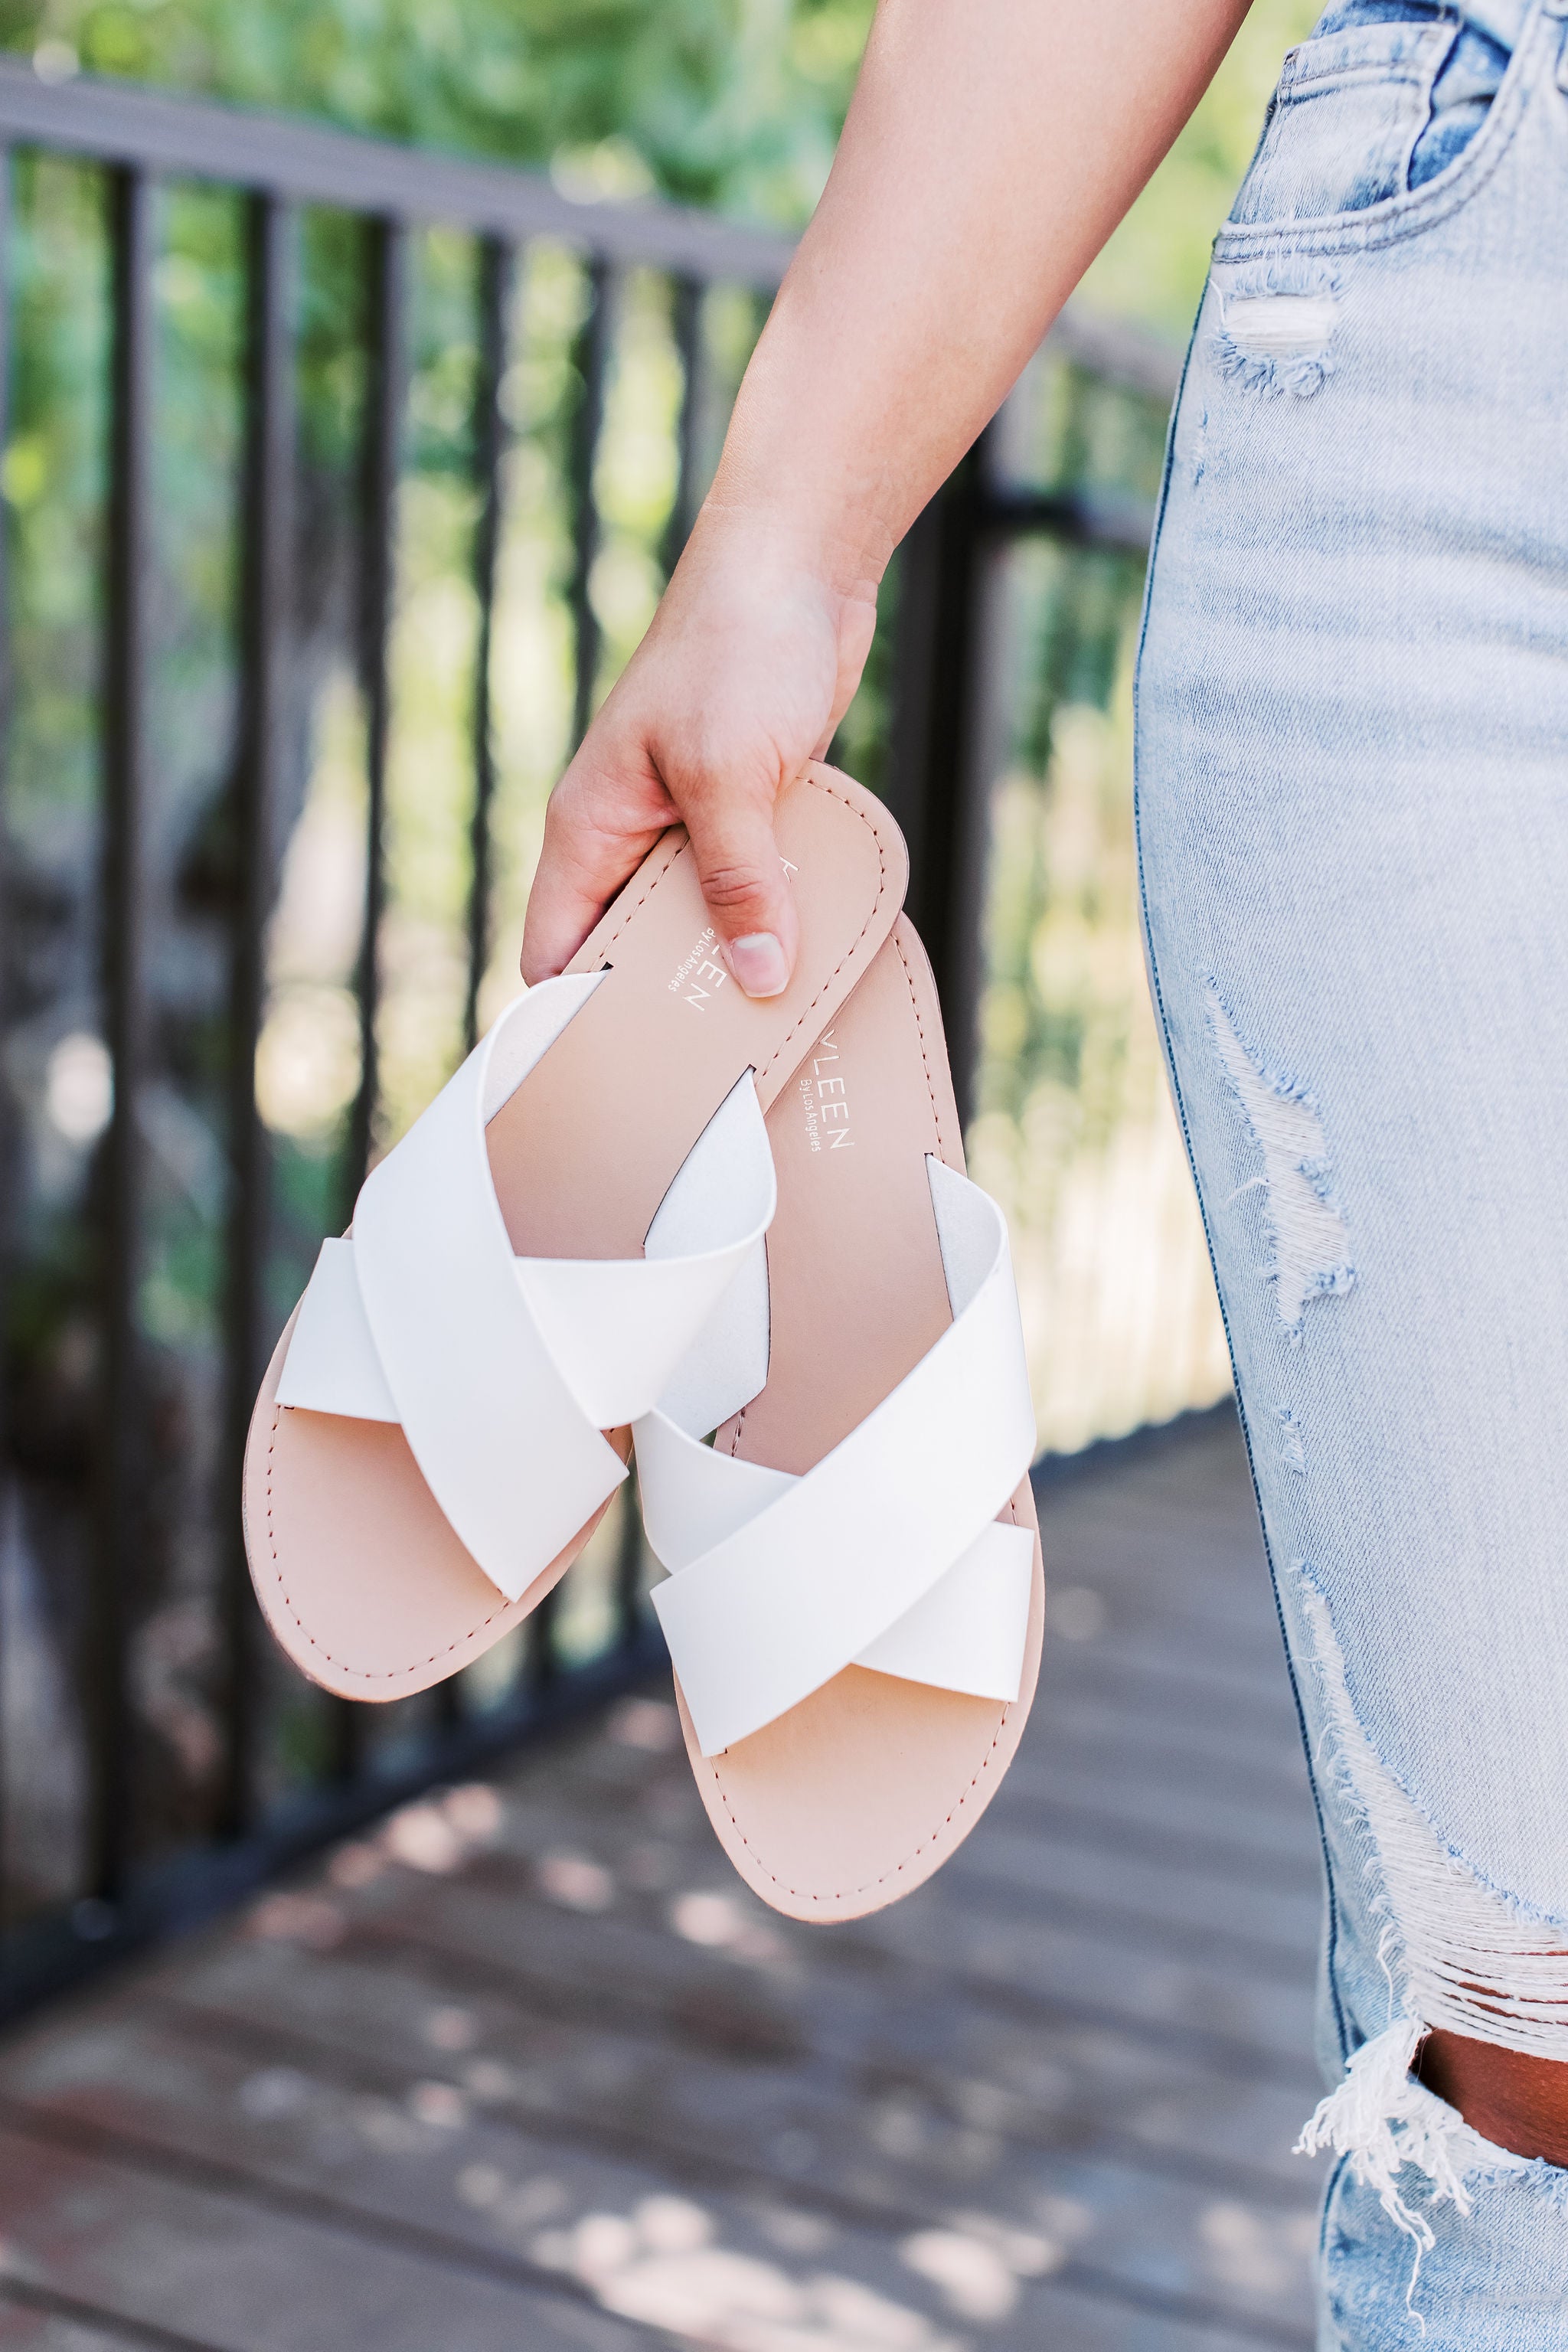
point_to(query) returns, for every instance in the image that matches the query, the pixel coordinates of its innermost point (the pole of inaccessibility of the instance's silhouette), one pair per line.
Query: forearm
(992, 147)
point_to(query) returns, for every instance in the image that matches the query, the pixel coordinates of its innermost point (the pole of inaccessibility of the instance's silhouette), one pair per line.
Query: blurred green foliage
(1154, 266)
(734, 103)
(728, 102)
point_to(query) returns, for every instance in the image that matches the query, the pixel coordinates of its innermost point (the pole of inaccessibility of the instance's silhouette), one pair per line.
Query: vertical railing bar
(121, 1450)
(541, 1666)
(385, 396)
(266, 561)
(686, 326)
(935, 790)
(488, 441)
(496, 266)
(593, 348)
(8, 1138)
(383, 451)
(628, 1569)
(593, 359)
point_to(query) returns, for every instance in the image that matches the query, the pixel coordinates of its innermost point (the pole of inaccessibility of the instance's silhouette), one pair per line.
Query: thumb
(746, 887)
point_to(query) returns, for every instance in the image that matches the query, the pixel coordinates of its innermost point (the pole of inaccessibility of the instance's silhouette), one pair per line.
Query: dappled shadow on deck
(530, 2069)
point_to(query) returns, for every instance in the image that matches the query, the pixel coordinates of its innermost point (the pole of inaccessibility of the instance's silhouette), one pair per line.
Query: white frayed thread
(1455, 1951)
(1443, 1938)
(1280, 326)
(1307, 1229)
(1292, 1440)
(1380, 2119)
(1276, 330)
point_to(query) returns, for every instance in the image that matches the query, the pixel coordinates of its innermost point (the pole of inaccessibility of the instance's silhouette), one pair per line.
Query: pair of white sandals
(648, 1205)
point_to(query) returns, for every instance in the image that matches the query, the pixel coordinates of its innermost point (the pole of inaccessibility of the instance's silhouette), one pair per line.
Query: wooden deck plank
(1046, 2081)
(733, 1998)
(386, 2147)
(1096, 1951)
(215, 2267)
(35, 2326)
(1178, 1892)
(1089, 2097)
(558, 2073)
(1120, 1804)
(1159, 1774)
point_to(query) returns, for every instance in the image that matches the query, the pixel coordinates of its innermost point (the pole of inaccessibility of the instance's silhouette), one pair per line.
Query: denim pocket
(1344, 123)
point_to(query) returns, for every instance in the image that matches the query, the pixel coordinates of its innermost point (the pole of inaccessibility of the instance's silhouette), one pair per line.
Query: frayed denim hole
(1197, 457)
(1308, 1236)
(1547, 2182)
(1292, 1439)
(1457, 1951)
(1277, 325)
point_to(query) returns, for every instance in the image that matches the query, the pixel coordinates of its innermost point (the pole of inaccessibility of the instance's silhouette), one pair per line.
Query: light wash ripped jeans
(1352, 804)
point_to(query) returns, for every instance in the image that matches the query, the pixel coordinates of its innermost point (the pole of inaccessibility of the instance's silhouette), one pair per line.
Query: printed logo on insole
(825, 1098)
(700, 977)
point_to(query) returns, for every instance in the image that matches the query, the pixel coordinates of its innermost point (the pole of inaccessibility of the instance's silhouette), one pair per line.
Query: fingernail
(758, 964)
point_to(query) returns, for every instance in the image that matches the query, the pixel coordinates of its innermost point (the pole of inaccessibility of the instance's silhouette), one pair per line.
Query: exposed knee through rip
(1512, 2097)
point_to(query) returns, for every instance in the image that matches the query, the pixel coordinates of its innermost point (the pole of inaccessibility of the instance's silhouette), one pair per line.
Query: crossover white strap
(887, 1553)
(967, 1634)
(503, 1371)
(331, 1365)
(970, 1631)
(619, 1328)
(613, 1325)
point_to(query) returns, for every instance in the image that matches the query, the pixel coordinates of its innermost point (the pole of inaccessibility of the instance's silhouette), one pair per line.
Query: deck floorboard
(535, 2072)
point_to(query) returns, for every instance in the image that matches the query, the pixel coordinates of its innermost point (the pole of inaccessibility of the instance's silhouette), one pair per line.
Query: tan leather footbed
(357, 1572)
(856, 1795)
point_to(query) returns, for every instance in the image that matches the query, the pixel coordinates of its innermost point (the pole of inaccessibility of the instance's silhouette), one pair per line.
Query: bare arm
(992, 147)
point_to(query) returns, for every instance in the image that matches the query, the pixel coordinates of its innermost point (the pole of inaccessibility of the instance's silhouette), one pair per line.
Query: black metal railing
(155, 1757)
(946, 691)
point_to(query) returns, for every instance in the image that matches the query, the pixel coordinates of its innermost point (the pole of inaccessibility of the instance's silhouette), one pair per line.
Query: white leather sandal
(856, 1599)
(527, 1266)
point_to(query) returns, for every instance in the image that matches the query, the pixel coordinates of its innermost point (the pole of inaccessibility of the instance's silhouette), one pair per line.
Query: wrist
(811, 530)
(766, 625)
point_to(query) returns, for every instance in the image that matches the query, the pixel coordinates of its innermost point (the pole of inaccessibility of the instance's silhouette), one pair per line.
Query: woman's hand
(749, 666)
(987, 155)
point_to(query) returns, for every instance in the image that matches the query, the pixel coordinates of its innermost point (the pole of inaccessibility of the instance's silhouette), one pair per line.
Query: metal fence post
(8, 1154)
(489, 430)
(122, 1432)
(265, 612)
(593, 362)
(935, 790)
(686, 327)
(384, 386)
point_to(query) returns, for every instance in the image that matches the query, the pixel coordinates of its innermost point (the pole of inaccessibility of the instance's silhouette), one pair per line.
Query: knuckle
(732, 888)
(716, 783)
(724, 764)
